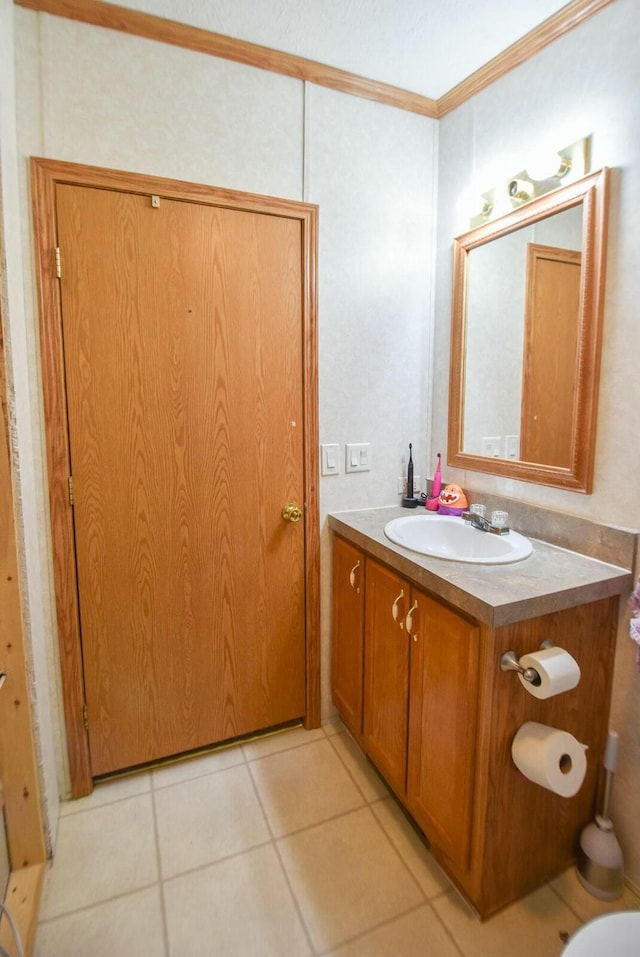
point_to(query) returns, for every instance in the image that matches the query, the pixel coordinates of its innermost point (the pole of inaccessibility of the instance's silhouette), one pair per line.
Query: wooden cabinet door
(347, 633)
(386, 673)
(442, 724)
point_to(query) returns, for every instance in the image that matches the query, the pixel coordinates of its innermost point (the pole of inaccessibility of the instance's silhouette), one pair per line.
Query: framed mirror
(525, 338)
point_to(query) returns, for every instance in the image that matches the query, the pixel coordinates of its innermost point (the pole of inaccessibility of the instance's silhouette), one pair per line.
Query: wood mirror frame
(591, 193)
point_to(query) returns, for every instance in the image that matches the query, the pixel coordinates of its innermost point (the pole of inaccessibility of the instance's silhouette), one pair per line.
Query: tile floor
(286, 846)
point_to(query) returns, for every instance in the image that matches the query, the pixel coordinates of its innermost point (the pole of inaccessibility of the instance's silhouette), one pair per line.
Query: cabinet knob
(395, 611)
(352, 577)
(409, 620)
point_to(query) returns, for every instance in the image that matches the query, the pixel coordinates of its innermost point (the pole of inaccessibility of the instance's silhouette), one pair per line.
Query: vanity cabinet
(347, 633)
(443, 720)
(386, 673)
(419, 684)
(420, 704)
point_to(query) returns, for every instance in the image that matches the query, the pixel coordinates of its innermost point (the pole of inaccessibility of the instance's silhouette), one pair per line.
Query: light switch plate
(512, 443)
(358, 457)
(330, 458)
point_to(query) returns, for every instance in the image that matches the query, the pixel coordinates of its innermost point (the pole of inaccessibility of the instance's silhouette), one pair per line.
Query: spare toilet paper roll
(557, 669)
(549, 757)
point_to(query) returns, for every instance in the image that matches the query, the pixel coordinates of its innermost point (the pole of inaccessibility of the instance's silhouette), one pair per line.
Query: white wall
(585, 83)
(94, 96)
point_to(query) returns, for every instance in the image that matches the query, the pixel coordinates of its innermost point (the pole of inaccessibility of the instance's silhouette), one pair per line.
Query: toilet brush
(600, 860)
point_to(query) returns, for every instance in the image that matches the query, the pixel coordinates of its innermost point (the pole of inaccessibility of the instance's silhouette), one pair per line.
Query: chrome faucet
(479, 521)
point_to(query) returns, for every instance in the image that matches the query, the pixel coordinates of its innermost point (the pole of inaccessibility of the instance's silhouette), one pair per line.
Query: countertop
(550, 580)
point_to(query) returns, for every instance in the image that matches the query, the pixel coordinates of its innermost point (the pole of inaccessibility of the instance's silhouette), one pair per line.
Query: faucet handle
(499, 518)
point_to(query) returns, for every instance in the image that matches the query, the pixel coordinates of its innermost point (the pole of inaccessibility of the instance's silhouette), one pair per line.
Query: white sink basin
(447, 536)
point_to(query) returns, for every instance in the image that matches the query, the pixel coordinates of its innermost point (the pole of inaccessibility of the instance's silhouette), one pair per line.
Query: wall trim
(20, 781)
(216, 44)
(152, 27)
(22, 899)
(547, 32)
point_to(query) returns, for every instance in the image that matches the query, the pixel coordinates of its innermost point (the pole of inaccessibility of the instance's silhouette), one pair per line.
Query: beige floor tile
(126, 927)
(280, 741)
(241, 907)
(304, 786)
(100, 854)
(197, 766)
(411, 848)
(585, 904)
(361, 770)
(533, 927)
(106, 792)
(207, 818)
(347, 878)
(418, 934)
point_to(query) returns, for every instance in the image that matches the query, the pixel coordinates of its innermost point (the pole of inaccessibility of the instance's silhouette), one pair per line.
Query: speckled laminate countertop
(550, 580)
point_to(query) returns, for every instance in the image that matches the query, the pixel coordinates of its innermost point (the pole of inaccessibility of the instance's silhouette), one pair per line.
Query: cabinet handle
(352, 577)
(394, 608)
(409, 620)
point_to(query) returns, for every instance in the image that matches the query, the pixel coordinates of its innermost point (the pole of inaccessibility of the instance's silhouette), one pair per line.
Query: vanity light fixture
(549, 165)
(520, 190)
(545, 171)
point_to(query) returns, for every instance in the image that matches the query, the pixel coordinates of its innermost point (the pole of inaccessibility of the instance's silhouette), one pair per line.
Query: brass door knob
(291, 512)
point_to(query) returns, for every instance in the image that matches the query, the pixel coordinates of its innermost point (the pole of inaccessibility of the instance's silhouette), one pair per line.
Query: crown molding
(152, 27)
(547, 32)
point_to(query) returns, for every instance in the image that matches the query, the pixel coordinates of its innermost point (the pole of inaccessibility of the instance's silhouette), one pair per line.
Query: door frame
(45, 176)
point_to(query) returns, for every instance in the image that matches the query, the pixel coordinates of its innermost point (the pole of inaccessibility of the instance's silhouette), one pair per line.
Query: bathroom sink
(447, 536)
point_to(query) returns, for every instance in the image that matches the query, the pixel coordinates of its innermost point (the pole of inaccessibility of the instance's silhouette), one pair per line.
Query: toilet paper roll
(549, 757)
(557, 669)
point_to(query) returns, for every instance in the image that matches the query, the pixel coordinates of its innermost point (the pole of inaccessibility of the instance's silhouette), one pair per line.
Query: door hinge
(85, 717)
(71, 500)
(58, 263)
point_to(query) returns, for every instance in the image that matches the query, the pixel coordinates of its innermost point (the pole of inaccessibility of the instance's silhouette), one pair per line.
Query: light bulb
(548, 165)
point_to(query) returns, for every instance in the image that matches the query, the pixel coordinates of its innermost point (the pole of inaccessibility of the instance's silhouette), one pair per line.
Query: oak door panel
(183, 358)
(550, 370)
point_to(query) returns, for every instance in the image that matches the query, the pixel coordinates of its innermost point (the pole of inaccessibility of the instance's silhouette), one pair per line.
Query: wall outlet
(402, 485)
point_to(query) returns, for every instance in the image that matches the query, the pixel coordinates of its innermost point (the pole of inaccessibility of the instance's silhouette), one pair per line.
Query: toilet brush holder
(600, 862)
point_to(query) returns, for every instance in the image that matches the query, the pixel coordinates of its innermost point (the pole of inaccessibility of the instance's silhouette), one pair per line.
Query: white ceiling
(426, 46)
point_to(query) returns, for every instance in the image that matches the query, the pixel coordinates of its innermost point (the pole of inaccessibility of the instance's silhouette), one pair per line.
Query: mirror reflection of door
(550, 364)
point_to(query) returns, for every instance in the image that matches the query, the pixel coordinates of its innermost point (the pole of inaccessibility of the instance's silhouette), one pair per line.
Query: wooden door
(183, 341)
(386, 673)
(443, 718)
(347, 633)
(550, 369)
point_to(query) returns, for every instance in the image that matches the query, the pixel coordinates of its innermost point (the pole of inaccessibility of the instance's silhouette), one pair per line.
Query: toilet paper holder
(510, 662)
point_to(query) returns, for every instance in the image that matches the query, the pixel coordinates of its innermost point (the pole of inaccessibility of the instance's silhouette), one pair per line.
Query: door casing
(45, 176)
